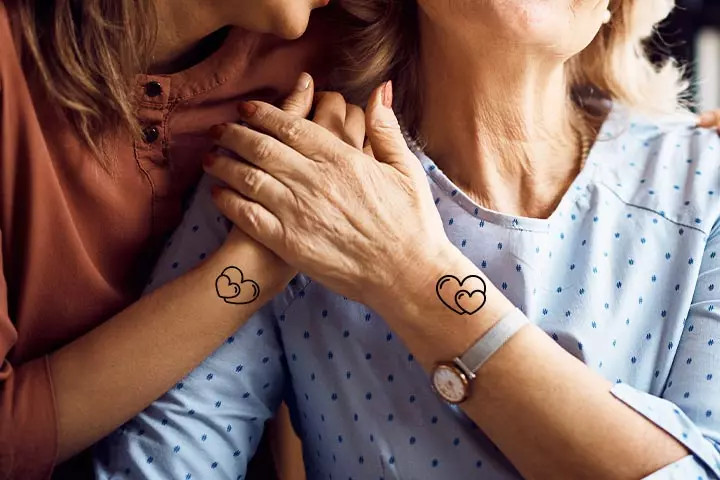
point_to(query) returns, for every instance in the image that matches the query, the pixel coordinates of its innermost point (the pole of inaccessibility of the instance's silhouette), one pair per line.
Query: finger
(300, 101)
(259, 149)
(330, 110)
(251, 182)
(250, 217)
(310, 140)
(709, 119)
(383, 128)
(355, 126)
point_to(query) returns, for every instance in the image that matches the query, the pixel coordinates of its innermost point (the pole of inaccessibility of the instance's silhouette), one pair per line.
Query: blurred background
(692, 35)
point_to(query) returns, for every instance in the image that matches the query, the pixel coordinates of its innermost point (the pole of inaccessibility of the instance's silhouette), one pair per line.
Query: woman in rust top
(95, 162)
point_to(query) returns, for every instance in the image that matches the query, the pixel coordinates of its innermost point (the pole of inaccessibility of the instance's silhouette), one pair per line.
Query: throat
(177, 56)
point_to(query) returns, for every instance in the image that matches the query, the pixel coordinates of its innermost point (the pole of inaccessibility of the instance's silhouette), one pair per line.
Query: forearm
(109, 375)
(548, 412)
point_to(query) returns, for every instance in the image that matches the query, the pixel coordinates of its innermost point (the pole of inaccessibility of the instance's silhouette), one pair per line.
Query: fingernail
(387, 94)
(215, 190)
(247, 109)
(303, 82)
(209, 159)
(216, 131)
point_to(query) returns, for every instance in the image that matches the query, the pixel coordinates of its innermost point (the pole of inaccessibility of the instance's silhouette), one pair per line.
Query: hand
(710, 119)
(358, 225)
(345, 121)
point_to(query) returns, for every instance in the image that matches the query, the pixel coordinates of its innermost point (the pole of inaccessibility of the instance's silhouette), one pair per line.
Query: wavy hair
(382, 43)
(86, 53)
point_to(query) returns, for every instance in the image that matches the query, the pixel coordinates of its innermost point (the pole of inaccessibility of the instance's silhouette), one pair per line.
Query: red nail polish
(216, 131)
(247, 109)
(215, 190)
(387, 94)
(209, 159)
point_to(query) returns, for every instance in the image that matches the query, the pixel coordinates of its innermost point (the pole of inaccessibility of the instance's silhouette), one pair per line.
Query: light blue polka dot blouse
(625, 275)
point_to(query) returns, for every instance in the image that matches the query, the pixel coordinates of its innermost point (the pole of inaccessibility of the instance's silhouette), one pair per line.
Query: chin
(292, 27)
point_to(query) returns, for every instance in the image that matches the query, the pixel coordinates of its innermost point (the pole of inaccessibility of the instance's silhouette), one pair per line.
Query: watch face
(450, 383)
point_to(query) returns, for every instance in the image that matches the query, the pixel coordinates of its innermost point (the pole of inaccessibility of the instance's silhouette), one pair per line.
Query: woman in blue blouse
(599, 226)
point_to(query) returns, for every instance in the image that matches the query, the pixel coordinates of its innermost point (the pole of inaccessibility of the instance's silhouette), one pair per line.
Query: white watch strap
(471, 361)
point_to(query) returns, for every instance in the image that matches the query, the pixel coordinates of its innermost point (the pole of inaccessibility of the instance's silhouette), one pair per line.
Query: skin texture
(366, 208)
(91, 374)
(182, 24)
(331, 211)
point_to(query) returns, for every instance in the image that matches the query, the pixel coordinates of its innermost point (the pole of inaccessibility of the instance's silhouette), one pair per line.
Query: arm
(56, 406)
(211, 422)
(110, 374)
(608, 430)
(601, 430)
(140, 353)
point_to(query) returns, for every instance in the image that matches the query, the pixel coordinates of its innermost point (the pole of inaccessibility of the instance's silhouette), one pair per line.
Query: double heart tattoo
(232, 287)
(462, 297)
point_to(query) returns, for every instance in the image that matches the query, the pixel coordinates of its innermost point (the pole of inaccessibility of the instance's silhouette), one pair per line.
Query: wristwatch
(452, 380)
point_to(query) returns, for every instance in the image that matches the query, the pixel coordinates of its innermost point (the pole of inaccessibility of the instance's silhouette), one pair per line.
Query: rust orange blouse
(77, 242)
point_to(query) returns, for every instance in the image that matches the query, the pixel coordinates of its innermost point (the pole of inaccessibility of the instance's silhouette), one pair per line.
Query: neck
(498, 121)
(185, 36)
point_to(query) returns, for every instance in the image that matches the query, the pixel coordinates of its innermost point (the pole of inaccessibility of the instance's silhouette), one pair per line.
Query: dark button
(153, 89)
(151, 134)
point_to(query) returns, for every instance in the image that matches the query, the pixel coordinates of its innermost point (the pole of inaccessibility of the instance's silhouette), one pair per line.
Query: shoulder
(661, 163)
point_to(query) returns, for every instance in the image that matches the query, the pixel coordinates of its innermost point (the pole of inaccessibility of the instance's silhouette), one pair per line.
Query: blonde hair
(383, 44)
(86, 52)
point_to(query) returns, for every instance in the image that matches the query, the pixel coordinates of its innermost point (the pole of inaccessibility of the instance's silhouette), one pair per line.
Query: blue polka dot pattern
(623, 276)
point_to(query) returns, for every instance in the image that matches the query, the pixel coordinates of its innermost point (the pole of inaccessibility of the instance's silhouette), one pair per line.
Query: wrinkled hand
(710, 119)
(358, 225)
(330, 110)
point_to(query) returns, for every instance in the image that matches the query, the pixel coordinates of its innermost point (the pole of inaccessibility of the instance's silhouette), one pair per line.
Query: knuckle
(384, 127)
(292, 130)
(252, 216)
(262, 150)
(355, 109)
(253, 181)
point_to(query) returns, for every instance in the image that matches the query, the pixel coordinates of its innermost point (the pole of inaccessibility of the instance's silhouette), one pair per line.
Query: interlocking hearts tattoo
(462, 297)
(233, 288)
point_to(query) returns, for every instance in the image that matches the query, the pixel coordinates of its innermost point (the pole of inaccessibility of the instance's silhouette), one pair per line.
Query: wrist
(257, 264)
(446, 307)
(414, 286)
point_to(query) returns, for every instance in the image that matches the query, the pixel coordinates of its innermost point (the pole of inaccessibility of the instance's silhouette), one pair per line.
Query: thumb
(300, 101)
(383, 129)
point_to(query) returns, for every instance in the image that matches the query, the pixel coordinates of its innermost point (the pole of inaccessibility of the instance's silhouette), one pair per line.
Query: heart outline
(468, 309)
(444, 287)
(233, 278)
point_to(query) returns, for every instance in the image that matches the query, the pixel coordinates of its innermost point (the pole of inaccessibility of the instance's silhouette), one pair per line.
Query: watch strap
(474, 358)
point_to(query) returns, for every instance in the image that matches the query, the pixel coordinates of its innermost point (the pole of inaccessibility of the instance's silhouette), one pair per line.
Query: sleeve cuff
(704, 463)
